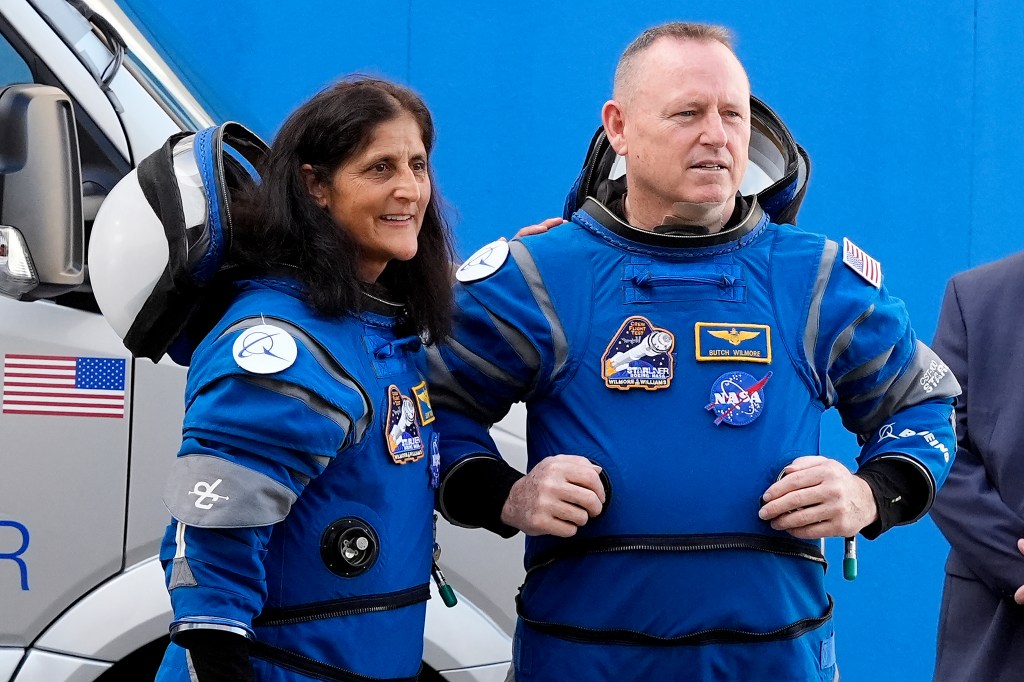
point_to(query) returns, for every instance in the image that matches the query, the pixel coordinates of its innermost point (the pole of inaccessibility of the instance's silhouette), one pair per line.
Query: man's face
(685, 132)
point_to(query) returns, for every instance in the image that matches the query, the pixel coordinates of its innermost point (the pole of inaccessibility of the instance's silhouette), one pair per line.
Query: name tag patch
(733, 342)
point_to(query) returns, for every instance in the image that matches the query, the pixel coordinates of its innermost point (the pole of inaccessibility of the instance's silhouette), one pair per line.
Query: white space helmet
(164, 232)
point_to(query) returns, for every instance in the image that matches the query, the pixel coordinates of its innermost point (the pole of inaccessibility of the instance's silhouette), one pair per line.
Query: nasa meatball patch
(737, 398)
(640, 356)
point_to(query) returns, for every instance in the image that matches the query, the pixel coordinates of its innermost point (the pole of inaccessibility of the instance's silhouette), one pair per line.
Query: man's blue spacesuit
(691, 368)
(302, 493)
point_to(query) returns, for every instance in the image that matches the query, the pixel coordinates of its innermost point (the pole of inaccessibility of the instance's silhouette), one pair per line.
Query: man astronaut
(676, 345)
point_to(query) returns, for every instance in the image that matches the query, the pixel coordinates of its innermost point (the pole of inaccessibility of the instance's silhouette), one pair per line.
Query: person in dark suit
(980, 509)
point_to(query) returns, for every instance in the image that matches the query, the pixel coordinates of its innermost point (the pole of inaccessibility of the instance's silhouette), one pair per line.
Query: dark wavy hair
(278, 223)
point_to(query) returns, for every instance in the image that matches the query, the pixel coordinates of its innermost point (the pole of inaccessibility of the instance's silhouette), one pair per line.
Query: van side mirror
(42, 233)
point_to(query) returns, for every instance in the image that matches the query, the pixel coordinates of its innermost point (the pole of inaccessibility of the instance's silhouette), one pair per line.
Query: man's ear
(614, 121)
(315, 188)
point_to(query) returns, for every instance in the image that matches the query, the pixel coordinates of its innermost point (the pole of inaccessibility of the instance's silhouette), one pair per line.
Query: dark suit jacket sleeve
(969, 510)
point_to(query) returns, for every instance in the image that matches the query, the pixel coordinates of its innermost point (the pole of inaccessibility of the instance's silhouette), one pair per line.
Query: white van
(87, 433)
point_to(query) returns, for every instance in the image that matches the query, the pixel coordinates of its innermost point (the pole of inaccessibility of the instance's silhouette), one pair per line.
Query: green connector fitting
(448, 595)
(850, 569)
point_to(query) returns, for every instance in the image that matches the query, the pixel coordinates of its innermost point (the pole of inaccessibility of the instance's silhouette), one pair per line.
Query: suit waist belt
(315, 669)
(709, 542)
(710, 636)
(304, 613)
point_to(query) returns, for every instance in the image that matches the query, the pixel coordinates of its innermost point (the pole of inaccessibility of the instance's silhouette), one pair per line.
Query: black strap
(178, 298)
(710, 636)
(677, 543)
(315, 669)
(348, 606)
(168, 307)
(217, 656)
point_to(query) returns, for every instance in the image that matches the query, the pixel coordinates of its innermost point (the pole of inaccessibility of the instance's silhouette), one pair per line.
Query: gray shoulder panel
(828, 258)
(453, 396)
(926, 377)
(210, 492)
(325, 359)
(309, 398)
(867, 369)
(518, 341)
(839, 346)
(560, 345)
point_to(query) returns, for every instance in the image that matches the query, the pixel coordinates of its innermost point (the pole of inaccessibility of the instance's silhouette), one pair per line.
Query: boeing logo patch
(887, 432)
(264, 349)
(928, 436)
(484, 263)
(733, 342)
(401, 431)
(737, 398)
(639, 356)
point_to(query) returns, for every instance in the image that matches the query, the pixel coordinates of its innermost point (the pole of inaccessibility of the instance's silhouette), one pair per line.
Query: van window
(13, 68)
(102, 163)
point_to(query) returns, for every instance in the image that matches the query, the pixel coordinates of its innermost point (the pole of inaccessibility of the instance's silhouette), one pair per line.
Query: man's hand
(1018, 596)
(558, 496)
(819, 497)
(539, 228)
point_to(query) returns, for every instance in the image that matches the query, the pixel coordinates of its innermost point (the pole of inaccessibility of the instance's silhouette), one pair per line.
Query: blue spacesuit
(302, 496)
(691, 368)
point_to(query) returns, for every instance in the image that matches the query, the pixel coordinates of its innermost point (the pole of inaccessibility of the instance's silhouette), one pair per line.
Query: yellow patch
(732, 342)
(423, 403)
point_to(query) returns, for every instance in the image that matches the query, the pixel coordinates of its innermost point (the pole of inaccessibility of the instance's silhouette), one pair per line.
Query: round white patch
(484, 263)
(264, 349)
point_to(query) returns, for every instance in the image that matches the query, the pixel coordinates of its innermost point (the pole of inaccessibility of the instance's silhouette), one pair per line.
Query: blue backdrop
(909, 112)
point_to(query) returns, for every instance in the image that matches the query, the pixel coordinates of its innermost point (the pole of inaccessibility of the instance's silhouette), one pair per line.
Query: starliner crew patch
(737, 398)
(400, 429)
(639, 356)
(735, 342)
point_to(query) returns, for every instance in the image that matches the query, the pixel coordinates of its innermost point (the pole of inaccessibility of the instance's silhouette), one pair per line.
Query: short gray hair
(625, 72)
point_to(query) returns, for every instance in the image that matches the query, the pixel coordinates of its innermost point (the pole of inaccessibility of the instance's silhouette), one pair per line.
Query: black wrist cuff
(217, 655)
(900, 493)
(473, 494)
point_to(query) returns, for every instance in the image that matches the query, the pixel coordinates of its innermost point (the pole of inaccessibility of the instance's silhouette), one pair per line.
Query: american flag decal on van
(64, 386)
